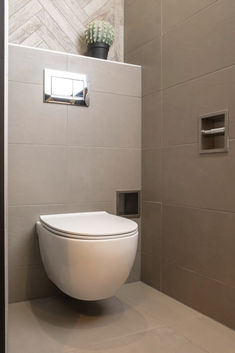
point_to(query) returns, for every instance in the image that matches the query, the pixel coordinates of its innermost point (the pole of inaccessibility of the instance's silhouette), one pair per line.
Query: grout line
(118, 338)
(91, 90)
(187, 19)
(210, 73)
(92, 203)
(175, 204)
(76, 146)
(153, 202)
(13, 13)
(158, 37)
(205, 276)
(161, 153)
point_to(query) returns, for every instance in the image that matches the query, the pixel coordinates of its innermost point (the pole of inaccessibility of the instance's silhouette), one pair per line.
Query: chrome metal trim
(64, 87)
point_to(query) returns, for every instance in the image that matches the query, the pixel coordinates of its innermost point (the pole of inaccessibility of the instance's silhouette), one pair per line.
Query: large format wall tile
(151, 243)
(177, 11)
(183, 104)
(200, 45)
(142, 23)
(152, 121)
(37, 174)
(22, 237)
(152, 171)
(149, 57)
(151, 229)
(111, 121)
(97, 173)
(33, 121)
(151, 270)
(27, 64)
(205, 181)
(29, 282)
(203, 294)
(200, 240)
(45, 174)
(106, 76)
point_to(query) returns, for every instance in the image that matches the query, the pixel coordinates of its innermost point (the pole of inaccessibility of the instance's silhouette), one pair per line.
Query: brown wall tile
(204, 181)
(183, 104)
(152, 120)
(200, 240)
(203, 294)
(151, 178)
(149, 57)
(177, 11)
(200, 45)
(150, 270)
(151, 228)
(142, 23)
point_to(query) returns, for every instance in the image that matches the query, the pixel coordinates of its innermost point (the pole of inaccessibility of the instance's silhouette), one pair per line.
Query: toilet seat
(89, 225)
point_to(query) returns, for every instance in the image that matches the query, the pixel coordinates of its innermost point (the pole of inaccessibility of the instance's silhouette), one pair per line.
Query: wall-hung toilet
(87, 255)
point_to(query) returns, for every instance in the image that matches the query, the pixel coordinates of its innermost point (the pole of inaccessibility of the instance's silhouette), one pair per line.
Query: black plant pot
(98, 50)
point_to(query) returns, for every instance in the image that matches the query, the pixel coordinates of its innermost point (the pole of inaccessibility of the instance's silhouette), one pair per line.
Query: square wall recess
(128, 203)
(213, 133)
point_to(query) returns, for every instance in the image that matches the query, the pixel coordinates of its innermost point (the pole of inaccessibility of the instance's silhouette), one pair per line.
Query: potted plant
(99, 37)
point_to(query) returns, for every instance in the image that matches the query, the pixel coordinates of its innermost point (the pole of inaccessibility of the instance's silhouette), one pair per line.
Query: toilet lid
(89, 224)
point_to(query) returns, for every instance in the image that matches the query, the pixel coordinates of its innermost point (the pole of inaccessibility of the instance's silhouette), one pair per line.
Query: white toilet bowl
(87, 255)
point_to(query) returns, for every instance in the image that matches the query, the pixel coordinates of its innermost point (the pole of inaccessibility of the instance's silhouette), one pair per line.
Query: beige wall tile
(37, 174)
(111, 121)
(97, 173)
(27, 64)
(201, 241)
(22, 237)
(142, 23)
(45, 172)
(29, 282)
(204, 181)
(177, 11)
(33, 121)
(201, 45)
(106, 76)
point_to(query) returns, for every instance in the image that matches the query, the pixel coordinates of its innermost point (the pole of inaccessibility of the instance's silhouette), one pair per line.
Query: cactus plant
(99, 31)
(99, 36)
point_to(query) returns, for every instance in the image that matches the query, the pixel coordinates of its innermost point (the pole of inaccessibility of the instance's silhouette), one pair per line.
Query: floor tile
(60, 324)
(138, 320)
(162, 340)
(209, 334)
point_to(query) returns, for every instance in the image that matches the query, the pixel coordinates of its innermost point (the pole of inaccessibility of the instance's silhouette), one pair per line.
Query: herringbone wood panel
(60, 24)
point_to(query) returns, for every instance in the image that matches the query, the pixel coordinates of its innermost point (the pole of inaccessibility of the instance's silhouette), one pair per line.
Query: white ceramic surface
(88, 269)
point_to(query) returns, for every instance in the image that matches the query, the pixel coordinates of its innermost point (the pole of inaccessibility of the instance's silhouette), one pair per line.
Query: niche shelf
(213, 133)
(128, 203)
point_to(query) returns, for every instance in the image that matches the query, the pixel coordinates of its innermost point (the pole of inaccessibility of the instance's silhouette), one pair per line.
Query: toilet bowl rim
(73, 236)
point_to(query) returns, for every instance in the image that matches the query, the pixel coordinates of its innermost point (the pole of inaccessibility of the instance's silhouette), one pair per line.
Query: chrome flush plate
(65, 88)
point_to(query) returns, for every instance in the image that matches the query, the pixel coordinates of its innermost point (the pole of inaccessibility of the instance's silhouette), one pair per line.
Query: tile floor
(138, 320)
